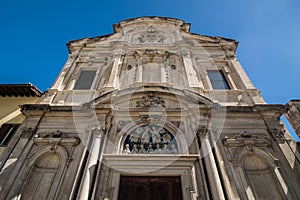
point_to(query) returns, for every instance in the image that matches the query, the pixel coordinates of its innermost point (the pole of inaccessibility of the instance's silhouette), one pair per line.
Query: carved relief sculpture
(151, 100)
(151, 36)
(150, 139)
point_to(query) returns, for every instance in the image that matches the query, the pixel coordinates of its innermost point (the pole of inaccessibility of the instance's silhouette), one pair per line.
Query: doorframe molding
(156, 165)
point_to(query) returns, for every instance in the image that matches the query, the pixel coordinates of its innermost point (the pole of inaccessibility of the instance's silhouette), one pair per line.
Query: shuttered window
(85, 80)
(218, 80)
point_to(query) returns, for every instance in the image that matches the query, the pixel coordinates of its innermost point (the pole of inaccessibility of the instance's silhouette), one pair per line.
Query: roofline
(118, 27)
(16, 90)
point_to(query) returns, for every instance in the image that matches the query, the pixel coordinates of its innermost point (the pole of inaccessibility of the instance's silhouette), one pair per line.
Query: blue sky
(33, 35)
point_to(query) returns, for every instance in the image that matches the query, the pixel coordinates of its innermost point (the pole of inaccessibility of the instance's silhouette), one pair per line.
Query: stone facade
(152, 100)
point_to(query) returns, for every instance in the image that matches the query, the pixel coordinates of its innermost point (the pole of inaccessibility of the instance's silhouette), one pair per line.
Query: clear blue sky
(33, 35)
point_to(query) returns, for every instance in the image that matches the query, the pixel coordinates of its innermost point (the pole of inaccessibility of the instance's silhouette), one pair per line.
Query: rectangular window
(85, 80)
(218, 80)
(6, 132)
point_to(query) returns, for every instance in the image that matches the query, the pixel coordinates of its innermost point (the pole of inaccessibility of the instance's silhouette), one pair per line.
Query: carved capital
(277, 134)
(186, 53)
(28, 132)
(202, 131)
(98, 131)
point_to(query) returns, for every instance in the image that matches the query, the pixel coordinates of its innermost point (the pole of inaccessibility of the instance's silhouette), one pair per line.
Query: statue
(165, 149)
(150, 149)
(134, 149)
(158, 149)
(142, 149)
(126, 149)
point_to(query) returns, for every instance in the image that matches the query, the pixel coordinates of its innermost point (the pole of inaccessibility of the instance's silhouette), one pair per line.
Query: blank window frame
(85, 80)
(218, 80)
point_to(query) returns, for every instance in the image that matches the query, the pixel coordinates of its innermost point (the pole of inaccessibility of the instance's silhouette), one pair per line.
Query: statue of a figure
(145, 136)
(155, 135)
(150, 149)
(158, 149)
(142, 149)
(165, 149)
(126, 149)
(134, 149)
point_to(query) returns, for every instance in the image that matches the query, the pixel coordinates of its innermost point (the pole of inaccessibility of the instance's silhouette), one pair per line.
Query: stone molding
(245, 139)
(54, 139)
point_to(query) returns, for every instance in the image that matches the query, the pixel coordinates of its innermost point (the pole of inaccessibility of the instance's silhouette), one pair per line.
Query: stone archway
(150, 139)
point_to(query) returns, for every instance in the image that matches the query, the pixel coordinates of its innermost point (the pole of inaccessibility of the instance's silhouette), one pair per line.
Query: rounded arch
(252, 162)
(45, 173)
(176, 133)
(258, 173)
(261, 155)
(47, 161)
(59, 150)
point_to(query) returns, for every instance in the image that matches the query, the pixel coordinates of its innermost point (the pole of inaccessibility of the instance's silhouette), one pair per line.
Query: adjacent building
(151, 111)
(11, 96)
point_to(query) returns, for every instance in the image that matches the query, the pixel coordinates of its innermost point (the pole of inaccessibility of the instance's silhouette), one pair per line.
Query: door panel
(150, 188)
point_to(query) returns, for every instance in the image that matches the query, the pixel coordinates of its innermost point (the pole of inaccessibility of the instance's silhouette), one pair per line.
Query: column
(91, 165)
(215, 186)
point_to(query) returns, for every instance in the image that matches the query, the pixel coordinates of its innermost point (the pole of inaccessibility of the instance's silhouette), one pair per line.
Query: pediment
(154, 98)
(149, 31)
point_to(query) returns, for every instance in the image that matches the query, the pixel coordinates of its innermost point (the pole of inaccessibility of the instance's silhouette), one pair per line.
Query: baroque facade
(152, 111)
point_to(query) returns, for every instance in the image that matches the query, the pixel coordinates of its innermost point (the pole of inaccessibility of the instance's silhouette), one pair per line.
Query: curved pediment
(151, 97)
(153, 31)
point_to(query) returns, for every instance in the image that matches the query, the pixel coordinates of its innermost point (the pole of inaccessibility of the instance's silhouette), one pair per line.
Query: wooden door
(150, 188)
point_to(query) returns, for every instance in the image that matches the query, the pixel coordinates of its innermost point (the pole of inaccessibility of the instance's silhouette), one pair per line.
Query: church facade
(151, 112)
